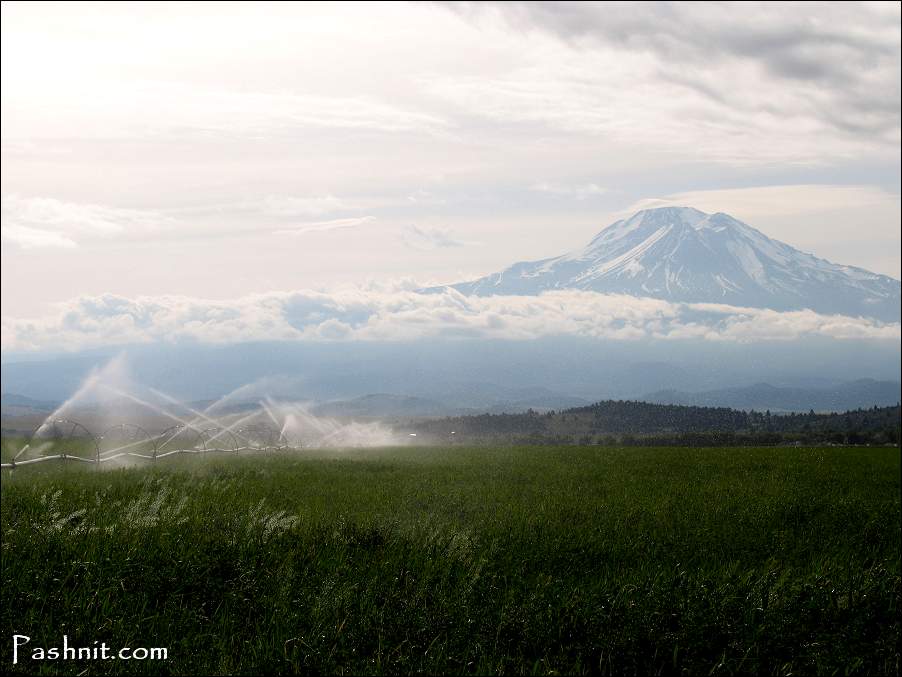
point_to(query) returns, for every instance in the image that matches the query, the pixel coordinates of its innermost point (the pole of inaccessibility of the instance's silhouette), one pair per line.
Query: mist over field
(568, 366)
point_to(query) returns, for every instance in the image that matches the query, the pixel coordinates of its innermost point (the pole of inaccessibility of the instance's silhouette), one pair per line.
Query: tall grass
(488, 561)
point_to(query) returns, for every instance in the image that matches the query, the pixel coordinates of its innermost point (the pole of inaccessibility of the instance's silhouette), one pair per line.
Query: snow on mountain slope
(683, 254)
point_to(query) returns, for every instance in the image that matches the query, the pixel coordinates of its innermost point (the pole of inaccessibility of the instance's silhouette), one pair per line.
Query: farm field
(524, 560)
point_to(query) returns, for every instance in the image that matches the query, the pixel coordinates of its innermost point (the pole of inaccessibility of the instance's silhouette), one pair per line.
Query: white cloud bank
(376, 315)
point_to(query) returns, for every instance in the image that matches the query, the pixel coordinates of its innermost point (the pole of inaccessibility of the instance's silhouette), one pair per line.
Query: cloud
(198, 112)
(369, 315)
(274, 205)
(205, 111)
(47, 222)
(578, 191)
(30, 223)
(740, 84)
(284, 205)
(795, 43)
(760, 202)
(27, 237)
(426, 238)
(847, 52)
(320, 226)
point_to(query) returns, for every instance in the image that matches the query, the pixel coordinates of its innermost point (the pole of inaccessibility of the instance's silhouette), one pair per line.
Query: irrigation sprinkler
(199, 415)
(126, 439)
(262, 436)
(55, 432)
(129, 439)
(218, 438)
(150, 406)
(235, 426)
(179, 439)
(265, 407)
(271, 427)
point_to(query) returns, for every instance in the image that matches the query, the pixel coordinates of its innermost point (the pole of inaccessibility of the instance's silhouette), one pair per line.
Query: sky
(220, 152)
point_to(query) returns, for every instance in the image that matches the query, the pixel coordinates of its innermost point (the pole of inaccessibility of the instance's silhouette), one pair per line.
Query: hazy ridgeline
(487, 561)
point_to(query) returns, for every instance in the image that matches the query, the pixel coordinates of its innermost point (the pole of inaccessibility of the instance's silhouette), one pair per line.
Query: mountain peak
(665, 215)
(646, 219)
(686, 214)
(683, 254)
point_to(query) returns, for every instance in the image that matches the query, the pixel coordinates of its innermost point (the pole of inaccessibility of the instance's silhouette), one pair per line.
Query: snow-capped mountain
(683, 254)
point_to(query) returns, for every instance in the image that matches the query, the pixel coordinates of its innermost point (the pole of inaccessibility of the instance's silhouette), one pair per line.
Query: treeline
(642, 423)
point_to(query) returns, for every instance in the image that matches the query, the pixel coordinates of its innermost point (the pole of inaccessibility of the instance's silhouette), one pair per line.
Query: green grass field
(487, 561)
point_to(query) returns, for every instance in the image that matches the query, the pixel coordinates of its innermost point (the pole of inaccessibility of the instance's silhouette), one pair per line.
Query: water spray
(278, 426)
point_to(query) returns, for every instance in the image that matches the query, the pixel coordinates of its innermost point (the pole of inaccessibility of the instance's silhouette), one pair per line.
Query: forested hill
(627, 422)
(628, 416)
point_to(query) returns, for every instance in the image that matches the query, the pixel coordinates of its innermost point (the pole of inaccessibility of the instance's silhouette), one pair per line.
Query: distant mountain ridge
(682, 254)
(12, 404)
(383, 405)
(862, 393)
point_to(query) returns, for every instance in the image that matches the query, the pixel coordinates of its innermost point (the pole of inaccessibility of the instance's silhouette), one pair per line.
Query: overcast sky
(223, 150)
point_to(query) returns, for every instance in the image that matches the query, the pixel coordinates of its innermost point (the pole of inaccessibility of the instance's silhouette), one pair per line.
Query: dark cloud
(844, 55)
(801, 40)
